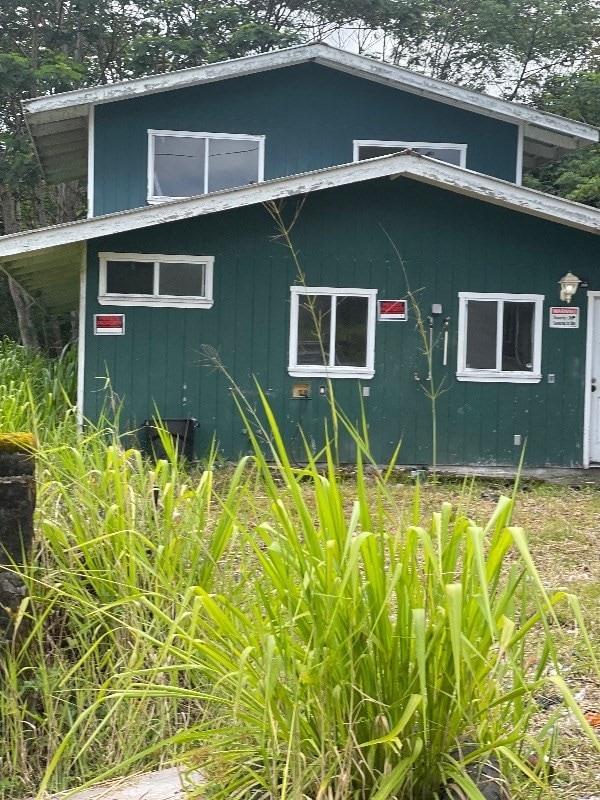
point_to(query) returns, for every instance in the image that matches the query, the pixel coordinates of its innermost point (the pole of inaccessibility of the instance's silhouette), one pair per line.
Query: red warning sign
(393, 310)
(109, 324)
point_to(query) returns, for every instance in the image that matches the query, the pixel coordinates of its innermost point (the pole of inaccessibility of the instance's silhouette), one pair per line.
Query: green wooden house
(405, 199)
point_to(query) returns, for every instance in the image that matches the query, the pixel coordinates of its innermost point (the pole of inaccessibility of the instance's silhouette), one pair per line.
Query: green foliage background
(544, 52)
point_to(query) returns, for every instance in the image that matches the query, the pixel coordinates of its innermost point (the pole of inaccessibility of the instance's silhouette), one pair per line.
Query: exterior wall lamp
(568, 287)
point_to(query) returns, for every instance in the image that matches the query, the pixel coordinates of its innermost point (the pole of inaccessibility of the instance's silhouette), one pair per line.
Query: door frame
(589, 359)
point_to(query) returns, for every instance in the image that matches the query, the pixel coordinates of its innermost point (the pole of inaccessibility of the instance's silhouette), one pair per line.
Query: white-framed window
(187, 163)
(500, 337)
(450, 152)
(143, 279)
(332, 332)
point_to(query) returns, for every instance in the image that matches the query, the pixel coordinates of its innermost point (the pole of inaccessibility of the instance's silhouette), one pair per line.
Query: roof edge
(406, 164)
(77, 102)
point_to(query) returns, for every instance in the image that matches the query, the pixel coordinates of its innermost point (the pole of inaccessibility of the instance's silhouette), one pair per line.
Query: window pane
(449, 154)
(482, 319)
(129, 277)
(181, 280)
(314, 325)
(374, 151)
(232, 162)
(178, 166)
(517, 337)
(351, 331)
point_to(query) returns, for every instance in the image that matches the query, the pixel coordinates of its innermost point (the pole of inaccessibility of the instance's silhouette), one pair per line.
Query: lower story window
(136, 279)
(500, 337)
(332, 332)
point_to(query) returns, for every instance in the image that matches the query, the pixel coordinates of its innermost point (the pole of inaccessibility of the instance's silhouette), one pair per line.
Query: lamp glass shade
(568, 286)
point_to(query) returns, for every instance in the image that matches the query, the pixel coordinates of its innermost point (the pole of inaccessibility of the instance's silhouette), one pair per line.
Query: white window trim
(520, 149)
(316, 370)
(358, 143)
(152, 134)
(495, 375)
(156, 300)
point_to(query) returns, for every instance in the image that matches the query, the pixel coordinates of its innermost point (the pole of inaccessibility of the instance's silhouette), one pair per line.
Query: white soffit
(58, 123)
(47, 261)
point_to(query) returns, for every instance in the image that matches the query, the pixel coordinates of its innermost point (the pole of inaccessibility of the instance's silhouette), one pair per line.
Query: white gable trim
(409, 165)
(77, 103)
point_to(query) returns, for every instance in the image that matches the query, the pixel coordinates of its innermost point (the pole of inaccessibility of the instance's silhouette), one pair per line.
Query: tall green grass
(293, 634)
(368, 658)
(120, 542)
(37, 393)
(112, 530)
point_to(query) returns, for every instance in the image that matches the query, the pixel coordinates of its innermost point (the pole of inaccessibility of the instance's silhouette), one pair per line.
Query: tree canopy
(545, 52)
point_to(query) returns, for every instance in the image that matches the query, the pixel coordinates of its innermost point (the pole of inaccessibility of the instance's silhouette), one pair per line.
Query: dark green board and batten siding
(308, 113)
(449, 243)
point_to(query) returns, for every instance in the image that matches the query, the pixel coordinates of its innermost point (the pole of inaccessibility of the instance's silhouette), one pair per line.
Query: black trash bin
(181, 431)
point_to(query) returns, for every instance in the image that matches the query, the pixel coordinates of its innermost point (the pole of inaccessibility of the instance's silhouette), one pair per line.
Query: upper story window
(135, 279)
(185, 164)
(332, 332)
(443, 151)
(500, 337)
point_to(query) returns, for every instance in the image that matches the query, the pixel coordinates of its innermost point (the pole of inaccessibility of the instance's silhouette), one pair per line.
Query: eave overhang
(59, 123)
(47, 261)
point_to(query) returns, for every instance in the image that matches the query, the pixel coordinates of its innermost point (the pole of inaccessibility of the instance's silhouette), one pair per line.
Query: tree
(505, 46)
(46, 46)
(576, 177)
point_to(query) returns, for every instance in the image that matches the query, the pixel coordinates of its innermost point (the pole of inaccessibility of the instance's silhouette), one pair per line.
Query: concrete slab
(565, 476)
(166, 784)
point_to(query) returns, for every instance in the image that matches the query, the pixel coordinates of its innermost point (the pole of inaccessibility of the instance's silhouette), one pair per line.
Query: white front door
(593, 387)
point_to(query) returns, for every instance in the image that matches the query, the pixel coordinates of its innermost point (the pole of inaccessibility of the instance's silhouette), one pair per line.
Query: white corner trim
(81, 342)
(91, 163)
(520, 153)
(589, 363)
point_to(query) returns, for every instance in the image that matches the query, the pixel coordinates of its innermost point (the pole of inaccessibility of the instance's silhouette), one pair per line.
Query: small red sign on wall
(392, 310)
(109, 324)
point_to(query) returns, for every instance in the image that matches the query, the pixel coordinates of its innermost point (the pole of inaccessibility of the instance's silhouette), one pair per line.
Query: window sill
(155, 201)
(308, 372)
(155, 302)
(499, 377)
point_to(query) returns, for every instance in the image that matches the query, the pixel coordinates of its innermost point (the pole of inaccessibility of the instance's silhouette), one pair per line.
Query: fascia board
(180, 79)
(409, 165)
(508, 195)
(76, 103)
(456, 95)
